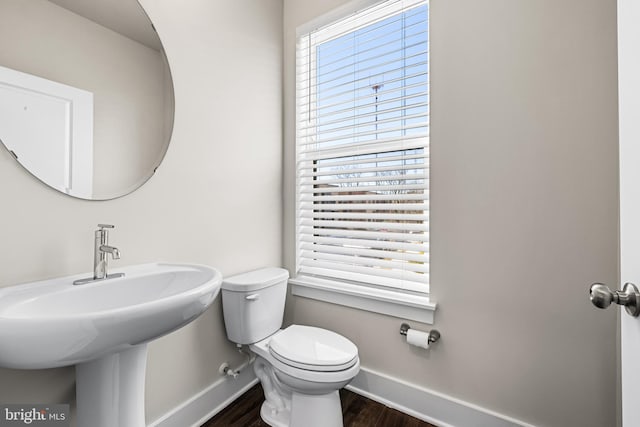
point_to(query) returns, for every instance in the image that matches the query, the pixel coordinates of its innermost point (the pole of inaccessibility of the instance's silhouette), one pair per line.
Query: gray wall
(524, 210)
(216, 198)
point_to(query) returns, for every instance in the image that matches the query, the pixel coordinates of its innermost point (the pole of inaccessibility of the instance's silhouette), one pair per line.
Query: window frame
(395, 302)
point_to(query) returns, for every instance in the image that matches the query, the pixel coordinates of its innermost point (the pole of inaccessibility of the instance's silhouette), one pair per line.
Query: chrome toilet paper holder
(434, 335)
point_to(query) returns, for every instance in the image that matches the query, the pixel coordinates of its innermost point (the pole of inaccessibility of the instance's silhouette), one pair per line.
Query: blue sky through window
(373, 68)
(372, 84)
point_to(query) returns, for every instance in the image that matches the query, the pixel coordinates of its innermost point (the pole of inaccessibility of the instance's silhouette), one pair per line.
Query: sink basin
(102, 328)
(54, 323)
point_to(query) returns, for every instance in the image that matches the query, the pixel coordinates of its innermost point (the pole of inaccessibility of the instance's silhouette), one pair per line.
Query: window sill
(405, 306)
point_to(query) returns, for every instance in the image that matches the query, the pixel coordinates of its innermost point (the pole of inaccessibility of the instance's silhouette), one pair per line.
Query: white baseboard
(198, 409)
(427, 405)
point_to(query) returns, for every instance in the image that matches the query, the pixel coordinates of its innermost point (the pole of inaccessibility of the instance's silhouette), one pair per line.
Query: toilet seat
(313, 349)
(310, 372)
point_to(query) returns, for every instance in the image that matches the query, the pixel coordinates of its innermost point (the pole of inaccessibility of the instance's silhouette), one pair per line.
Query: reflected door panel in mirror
(51, 126)
(129, 78)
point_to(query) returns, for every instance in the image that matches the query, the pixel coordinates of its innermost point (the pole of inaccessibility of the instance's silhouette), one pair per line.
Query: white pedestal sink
(102, 327)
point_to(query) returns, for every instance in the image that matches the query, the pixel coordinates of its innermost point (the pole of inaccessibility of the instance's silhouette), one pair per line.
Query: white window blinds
(362, 148)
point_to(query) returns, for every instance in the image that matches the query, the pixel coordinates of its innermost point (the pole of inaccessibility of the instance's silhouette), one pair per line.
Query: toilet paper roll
(418, 338)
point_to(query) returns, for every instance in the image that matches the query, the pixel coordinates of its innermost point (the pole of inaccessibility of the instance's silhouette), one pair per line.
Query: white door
(629, 111)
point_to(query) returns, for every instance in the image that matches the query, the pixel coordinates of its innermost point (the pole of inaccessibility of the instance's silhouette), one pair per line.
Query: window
(362, 144)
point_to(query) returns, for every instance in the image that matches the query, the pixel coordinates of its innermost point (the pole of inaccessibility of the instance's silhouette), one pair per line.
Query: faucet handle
(103, 226)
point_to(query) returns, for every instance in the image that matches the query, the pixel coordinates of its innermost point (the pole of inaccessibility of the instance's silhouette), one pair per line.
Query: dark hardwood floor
(358, 411)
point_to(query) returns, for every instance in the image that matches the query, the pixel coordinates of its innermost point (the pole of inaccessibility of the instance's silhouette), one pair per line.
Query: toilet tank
(253, 304)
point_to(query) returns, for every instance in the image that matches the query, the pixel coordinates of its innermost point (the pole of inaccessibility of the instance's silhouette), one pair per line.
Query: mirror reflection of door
(51, 126)
(104, 48)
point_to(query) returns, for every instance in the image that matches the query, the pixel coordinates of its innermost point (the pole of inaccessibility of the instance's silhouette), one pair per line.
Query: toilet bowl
(301, 368)
(306, 380)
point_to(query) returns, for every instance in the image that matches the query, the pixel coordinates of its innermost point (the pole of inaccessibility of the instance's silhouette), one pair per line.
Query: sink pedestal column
(110, 390)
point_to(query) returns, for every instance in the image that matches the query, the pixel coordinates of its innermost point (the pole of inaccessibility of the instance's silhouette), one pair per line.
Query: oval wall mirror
(86, 96)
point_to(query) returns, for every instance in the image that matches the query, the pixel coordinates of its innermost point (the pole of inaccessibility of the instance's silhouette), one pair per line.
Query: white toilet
(301, 368)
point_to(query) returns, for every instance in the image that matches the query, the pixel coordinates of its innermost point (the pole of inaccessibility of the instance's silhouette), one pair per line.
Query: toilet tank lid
(254, 280)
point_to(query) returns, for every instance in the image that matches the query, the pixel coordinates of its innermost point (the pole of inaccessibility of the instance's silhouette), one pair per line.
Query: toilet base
(306, 411)
(322, 410)
(272, 417)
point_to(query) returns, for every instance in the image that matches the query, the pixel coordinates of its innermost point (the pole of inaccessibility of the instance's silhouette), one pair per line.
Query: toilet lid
(312, 348)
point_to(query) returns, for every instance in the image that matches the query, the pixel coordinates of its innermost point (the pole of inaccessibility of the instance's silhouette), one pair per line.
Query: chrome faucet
(100, 260)
(101, 249)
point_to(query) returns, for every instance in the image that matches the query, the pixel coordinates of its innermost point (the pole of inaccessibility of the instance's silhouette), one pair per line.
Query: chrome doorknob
(602, 297)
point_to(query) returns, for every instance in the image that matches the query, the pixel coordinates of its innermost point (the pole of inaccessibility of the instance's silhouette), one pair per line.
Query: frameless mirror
(86, 96)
